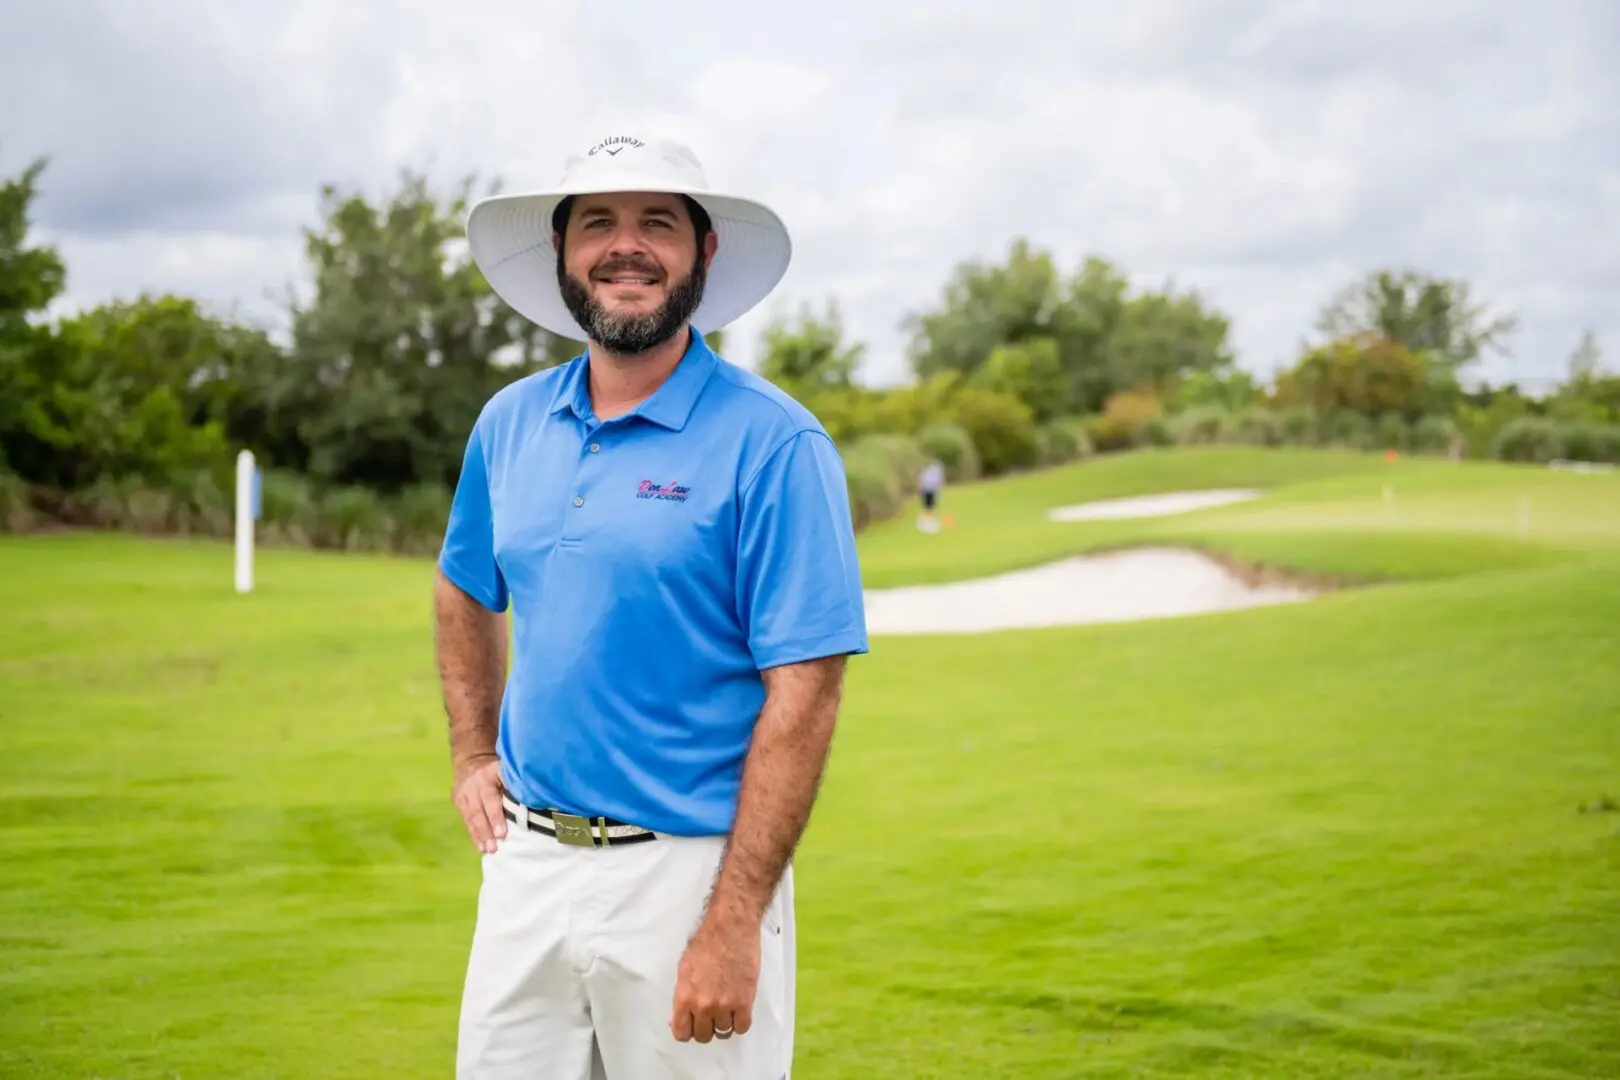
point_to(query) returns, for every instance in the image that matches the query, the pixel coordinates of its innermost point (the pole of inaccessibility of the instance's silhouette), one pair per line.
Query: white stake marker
(247, 512)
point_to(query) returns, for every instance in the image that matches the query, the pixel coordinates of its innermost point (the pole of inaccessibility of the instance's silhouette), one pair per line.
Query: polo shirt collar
(671, 404)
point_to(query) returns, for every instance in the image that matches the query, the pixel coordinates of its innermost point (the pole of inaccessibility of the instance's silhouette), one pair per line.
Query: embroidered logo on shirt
(650, 489)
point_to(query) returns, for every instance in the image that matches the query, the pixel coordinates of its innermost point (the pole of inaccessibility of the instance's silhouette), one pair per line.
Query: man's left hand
(716, 982)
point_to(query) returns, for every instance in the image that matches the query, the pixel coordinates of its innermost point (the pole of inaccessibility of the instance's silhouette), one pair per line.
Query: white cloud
(1265, 153)
(751, 91)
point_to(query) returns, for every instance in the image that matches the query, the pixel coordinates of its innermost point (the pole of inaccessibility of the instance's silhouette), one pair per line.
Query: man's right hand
(477, 794)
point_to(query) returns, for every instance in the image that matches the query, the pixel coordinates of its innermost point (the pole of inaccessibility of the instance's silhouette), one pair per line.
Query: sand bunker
(1145, 583)
(1141, 506)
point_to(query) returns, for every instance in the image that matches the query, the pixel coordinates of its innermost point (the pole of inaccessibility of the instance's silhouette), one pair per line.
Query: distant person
(930, 482)
(673, 534)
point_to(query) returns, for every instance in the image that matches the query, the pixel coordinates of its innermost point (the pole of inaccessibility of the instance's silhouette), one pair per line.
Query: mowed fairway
(1336, 839)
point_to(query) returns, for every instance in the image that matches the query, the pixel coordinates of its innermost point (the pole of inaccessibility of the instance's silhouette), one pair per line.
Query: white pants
(572, 969)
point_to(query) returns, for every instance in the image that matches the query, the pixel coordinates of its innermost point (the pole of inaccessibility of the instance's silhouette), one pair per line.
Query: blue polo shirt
(654, 564)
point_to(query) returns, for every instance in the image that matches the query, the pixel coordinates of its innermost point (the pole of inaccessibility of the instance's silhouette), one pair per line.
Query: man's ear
(711, 243)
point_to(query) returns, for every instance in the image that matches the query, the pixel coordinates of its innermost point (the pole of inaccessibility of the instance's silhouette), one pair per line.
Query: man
(929, 483)
(673, 537)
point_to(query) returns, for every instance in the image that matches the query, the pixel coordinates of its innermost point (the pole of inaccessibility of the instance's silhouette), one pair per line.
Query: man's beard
(629, 335)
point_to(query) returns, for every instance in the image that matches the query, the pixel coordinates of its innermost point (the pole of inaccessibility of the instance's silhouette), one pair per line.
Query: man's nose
(627, 240)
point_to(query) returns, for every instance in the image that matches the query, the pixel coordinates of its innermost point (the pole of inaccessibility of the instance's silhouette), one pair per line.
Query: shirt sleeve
(467, 555)
(798, 579)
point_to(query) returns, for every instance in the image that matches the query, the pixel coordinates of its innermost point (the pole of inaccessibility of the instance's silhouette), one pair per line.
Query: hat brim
(510, 240)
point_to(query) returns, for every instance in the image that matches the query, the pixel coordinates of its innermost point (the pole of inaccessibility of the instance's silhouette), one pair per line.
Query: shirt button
(595, 447)
(579, 500)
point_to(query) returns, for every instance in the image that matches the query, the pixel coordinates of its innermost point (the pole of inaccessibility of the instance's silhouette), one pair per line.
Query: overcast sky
(1263, 151)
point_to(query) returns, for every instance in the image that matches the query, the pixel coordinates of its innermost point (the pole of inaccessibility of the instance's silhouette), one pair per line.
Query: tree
(809, 354)
(1106, 339)
(1231, 390)
(1428, 315)
(118, 392)
(1031, 371)
(984, 306)
(1001, 427)
(1163, 338)
(1087, 330)
(31, 277)
(1366, 374)
(1586, 360)
(128, 389)
(402, 343)
(1590, 393)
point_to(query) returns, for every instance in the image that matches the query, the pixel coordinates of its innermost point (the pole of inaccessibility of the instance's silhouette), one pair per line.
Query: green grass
(1322, 511)
(1336, 839)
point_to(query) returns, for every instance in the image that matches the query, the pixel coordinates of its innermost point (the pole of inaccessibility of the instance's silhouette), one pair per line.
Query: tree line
(129, 415)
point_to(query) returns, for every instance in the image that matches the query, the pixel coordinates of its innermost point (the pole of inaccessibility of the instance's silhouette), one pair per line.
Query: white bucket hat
(510, 235)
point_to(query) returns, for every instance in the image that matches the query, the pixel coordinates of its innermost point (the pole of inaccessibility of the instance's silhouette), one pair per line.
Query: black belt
(574, 829)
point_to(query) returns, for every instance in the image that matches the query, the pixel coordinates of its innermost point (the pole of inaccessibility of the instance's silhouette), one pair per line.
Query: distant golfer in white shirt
(930, 482)
(673, 534)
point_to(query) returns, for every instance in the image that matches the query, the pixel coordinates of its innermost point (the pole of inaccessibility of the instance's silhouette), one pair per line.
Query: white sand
(1121, 586)
(1115, 587)
(1175, 502)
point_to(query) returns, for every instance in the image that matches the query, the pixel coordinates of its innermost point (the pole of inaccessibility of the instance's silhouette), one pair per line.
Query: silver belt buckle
(572, 829)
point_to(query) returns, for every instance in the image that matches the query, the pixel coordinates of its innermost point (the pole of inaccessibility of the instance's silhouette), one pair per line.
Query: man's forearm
(470, 642)
(781, 777)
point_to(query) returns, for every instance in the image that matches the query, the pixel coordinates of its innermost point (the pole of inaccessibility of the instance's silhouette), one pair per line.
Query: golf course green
(1373, 834)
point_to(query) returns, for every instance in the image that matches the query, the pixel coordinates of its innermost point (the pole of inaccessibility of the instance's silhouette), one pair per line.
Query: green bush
(200, 505)
(1001, 426)
(289, 511)
(1349, 430)
(1594, 442)
(1155, 431)
(1299, 426)
(16, 507)
(354, 519)
(120, 503)
(1202, 425)
(421, 514)
(150, 510)
(953, 447)
(1257, 427)
(1061, 441)
(1480, 427)
(1390, 432)
(1607, 445)
(1434, 435)
(903, 453)
(875, 472)
(841, 410)
(1530, 439)
(102, 505)
(1129, 420)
